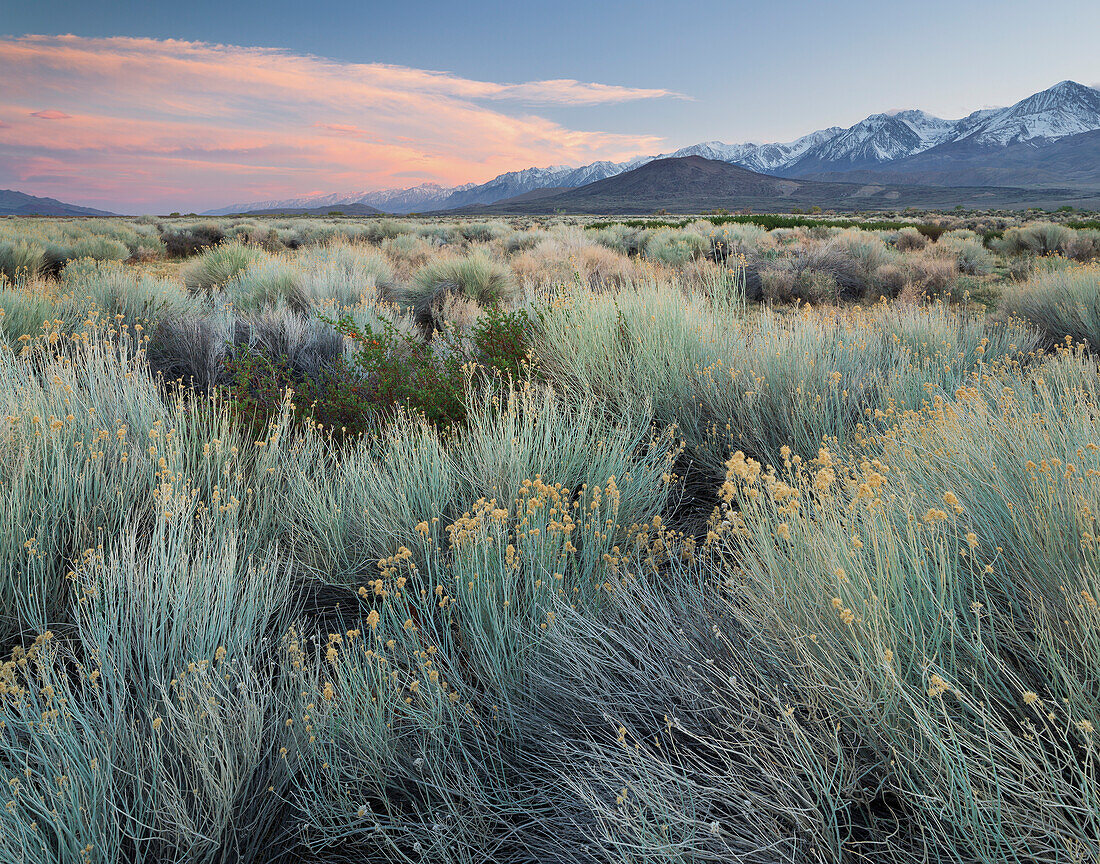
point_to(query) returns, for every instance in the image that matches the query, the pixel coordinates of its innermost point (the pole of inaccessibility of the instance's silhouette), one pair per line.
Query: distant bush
(521, 241)
(818, 273)
(379, 230)
(738, 240)
(781, 284)
(261, 234)
(565, 257)
(909, 239)
(1084, 245)
(967, 249)
(773, 221)
(409, 251)
(187, 239)
(1037, 238)
(675, 248)
(622, 238)
(867, 249)
(484, 232)
(930, 275)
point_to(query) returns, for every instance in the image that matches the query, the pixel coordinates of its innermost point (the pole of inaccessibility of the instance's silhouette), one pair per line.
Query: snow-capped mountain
(1067, 108)
(879, 138)
(1059, 112)
(767, 158)
(874, 144)
(426, 196)
(517, 182)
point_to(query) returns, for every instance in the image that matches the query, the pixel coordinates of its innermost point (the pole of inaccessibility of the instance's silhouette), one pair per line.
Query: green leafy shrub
(336, 400)
(502, 340)
(387, 369)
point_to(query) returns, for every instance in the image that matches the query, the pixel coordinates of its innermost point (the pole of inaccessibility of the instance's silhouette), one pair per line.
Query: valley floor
(543, 541)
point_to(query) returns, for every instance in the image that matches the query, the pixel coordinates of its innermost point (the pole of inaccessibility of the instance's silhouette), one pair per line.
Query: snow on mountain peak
(1067, 108)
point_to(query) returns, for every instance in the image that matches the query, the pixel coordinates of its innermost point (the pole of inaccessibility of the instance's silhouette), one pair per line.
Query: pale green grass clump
(33, 247)
(1038, 238)
(474, 277)
(263, 283)
(91, 294)
(123, 294)
(366, 502)
(761, 382)
(21, 258)
(1064, 302)
(214, 267)
(675, 248)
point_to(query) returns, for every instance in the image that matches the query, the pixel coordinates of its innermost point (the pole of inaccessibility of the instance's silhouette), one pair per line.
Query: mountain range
(14, 203)
(692, 184)
(1051, 138)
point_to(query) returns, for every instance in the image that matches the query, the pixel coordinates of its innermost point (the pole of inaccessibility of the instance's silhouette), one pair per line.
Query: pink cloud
(217, 124)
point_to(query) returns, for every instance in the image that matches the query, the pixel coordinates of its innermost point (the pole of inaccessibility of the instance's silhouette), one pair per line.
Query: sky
(157, 107)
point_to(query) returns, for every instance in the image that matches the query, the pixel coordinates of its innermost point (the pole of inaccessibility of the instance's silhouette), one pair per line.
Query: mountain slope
(692, 184)
(13, 203)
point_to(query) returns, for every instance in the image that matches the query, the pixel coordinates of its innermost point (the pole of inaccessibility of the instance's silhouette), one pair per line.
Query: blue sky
(744, 71)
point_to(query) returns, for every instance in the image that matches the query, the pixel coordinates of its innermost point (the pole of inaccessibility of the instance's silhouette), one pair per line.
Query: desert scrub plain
(465, 541)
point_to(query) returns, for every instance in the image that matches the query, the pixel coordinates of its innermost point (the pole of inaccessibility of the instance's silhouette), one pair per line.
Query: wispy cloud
(161, 123)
